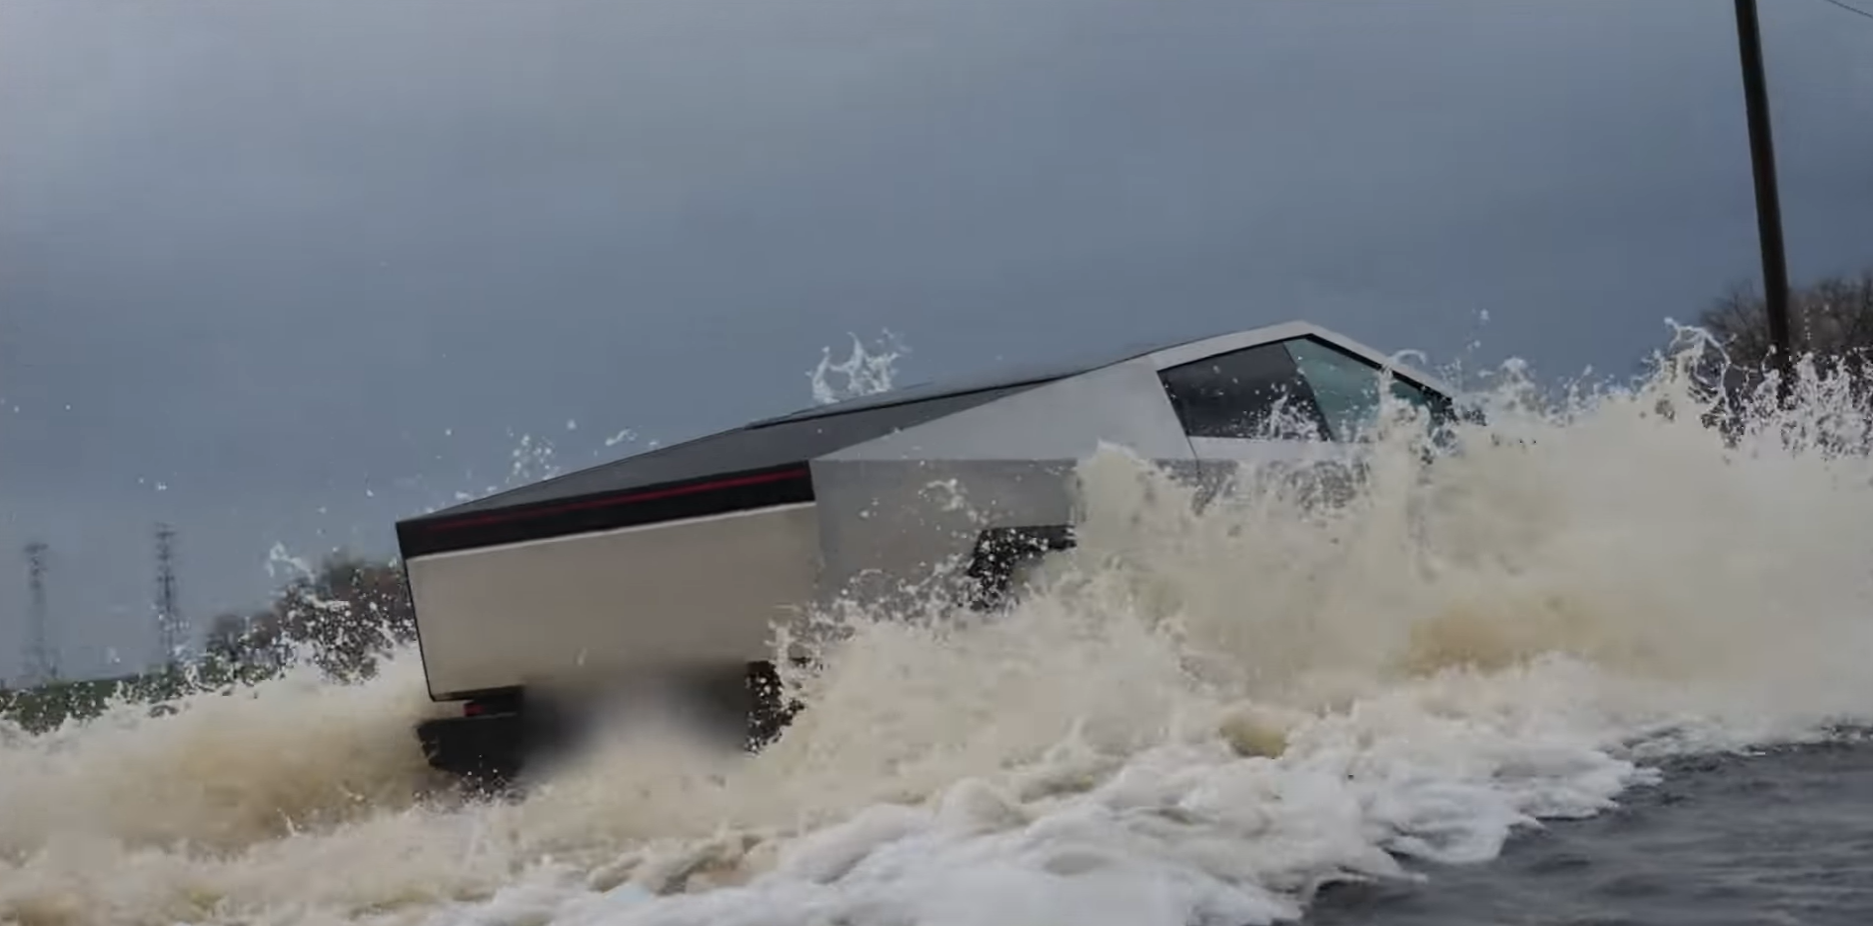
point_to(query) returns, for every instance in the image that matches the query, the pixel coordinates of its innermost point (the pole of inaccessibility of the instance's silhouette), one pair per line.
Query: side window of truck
(1235, 395)
(1347, 388)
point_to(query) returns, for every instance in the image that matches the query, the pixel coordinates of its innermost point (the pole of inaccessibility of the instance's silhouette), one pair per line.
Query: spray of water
(1196, 716)
(864, 372)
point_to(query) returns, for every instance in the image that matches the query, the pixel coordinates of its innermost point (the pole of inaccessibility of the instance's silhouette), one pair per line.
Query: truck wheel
(1003, 554)
(768, 712)
(745, 704)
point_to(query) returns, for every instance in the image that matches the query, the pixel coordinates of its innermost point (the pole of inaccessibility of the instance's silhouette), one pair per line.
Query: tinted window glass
(1347, 388)
(1236, 394)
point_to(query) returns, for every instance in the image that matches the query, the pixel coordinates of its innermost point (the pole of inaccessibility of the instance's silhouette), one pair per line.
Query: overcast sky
(286, 271)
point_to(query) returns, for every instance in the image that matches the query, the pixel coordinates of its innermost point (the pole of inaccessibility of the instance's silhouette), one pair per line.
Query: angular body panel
(908, 508)
(566, 609)
(889, 529)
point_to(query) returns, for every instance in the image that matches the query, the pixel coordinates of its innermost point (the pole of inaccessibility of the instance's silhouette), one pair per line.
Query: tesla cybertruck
(676, 564)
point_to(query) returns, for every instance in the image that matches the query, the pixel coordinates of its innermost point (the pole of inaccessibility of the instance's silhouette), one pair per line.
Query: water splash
(865, 371)
(1197, 715)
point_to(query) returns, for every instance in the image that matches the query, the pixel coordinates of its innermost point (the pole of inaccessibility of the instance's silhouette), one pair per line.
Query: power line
(1849, 8)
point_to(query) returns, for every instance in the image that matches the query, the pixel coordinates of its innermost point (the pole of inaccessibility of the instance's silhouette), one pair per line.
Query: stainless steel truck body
(677, 562)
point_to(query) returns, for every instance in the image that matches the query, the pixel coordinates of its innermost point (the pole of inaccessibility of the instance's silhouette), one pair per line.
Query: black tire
(1001, 551)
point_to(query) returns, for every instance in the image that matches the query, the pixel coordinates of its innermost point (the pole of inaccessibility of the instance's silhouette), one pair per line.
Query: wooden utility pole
(1768, 201)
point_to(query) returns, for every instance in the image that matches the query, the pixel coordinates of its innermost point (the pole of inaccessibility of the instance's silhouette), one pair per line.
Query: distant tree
(246, 645)
(225, 638)
(345, 615)
(1832, 320)
(1831, 325)
(348, 613)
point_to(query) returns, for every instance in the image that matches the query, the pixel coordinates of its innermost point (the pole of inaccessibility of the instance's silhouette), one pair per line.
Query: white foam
(865, 371)
(1195, 719)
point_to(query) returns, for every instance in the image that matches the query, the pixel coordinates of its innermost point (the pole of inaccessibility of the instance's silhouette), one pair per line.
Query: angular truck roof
(766, 461)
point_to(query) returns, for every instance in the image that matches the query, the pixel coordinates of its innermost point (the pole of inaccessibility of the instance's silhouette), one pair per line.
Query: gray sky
(266, 255)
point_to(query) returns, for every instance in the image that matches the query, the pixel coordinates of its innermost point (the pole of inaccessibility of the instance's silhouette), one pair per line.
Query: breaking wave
(1197, 716)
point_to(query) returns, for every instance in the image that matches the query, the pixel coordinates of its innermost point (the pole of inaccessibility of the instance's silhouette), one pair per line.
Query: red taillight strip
(498, 517)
